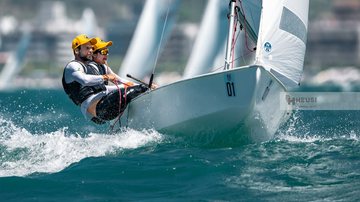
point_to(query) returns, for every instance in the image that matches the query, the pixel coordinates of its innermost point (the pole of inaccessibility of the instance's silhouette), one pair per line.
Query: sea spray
(23, 153)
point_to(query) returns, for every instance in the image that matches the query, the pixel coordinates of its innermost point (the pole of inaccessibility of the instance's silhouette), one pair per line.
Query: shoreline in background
(338, 76)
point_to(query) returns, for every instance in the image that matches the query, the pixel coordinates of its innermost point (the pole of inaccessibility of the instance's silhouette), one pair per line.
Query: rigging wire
(234, 39)
(160, 44)
(120, 113)
(236, 59)
(250, 51)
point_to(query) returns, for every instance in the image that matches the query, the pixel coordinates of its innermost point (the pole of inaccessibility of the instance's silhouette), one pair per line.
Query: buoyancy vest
(79, 93)
(101, 69)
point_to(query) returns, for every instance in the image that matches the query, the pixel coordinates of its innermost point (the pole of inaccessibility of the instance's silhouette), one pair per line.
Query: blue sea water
(48, 152)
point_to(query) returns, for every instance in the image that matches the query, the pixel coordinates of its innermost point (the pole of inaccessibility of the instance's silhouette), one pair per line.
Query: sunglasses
(103, 52)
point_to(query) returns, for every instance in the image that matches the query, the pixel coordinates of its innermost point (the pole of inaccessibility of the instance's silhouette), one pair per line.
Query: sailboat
(16, 60)
(147, 36)
(243, 100)
(209, 46)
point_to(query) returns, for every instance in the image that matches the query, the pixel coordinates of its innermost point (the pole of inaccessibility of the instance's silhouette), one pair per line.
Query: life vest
(79, 93)
(100, 69)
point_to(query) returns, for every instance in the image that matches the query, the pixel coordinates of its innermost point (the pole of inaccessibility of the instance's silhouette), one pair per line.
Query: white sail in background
(88, 23)
(140, 57)
(282, 39)
(15, 62)
(210, 39)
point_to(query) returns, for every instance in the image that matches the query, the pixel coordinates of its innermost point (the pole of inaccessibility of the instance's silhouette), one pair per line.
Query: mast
(231, 32)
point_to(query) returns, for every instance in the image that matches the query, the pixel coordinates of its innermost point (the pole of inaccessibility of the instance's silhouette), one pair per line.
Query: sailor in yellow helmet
(87, 86)
(100, 57)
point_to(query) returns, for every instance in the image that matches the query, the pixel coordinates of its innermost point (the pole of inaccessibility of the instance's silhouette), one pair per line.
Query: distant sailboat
(140, 57)
(210, 41)
(15, 62)
(243, 100)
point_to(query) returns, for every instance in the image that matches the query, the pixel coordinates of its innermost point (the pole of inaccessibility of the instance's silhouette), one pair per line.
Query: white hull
(231, 101)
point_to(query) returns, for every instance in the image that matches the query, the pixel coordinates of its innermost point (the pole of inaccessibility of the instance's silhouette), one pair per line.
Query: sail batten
(292, 24)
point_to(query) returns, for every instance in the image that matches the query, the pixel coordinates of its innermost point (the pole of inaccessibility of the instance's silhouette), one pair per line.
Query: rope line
(120, 96)
(161, 37)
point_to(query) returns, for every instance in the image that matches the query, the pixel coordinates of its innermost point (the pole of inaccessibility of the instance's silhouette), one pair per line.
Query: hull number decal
(230, 86)
(230, 89)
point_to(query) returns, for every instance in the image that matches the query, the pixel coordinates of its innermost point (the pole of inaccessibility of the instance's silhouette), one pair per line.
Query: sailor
(88, 87)
(99, 61)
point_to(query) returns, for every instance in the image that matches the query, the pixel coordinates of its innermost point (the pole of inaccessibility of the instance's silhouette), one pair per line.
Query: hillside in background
(105, 11)
(190, 10)
(333, 37)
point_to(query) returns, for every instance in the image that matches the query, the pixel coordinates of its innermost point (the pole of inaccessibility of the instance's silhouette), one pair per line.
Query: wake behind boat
(244, 100)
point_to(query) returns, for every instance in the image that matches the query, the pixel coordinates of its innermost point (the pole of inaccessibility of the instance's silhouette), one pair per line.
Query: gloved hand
(129, 83)
(153, 86)
(110, 77)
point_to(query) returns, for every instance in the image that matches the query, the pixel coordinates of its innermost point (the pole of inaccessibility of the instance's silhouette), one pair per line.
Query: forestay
(282, 39)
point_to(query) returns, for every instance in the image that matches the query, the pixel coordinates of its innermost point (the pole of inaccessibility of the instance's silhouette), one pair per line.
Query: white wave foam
(298, 138)
(344, 77)
(299, 131)
(354, 136)
(291, 132)
(303, 139)
(23, 153)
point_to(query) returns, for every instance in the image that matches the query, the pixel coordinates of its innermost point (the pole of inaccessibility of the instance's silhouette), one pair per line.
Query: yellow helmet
(82, 39)
(100, 44)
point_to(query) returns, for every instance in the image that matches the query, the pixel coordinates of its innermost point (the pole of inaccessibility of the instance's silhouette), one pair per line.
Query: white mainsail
(250, 12)
(141, 54)
(282, 39)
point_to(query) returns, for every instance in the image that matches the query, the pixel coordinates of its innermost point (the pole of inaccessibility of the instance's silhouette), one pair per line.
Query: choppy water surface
(48, 152)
